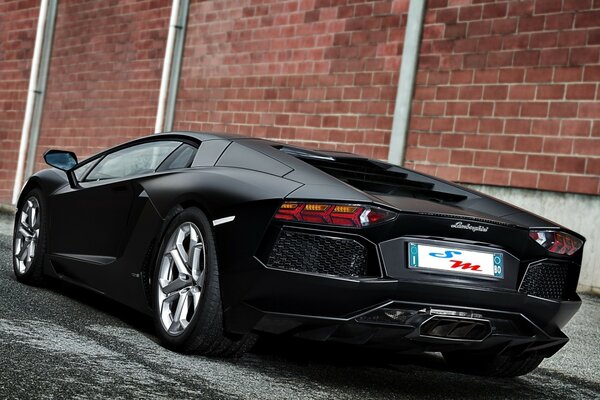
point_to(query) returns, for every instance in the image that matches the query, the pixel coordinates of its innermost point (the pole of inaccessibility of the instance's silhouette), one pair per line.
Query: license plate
(455, 260)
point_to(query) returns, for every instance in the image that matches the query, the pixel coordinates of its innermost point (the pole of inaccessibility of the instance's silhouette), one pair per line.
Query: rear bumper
(426, 316)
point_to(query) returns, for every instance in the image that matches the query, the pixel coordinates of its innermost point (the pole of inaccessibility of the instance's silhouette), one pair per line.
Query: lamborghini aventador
(221, 238)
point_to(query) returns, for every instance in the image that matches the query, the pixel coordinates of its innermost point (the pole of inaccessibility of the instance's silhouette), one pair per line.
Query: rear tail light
(557, 242)
(352, 215)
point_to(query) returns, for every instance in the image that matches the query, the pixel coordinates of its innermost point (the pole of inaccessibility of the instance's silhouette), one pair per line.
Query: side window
(180, 158)
(134, 160)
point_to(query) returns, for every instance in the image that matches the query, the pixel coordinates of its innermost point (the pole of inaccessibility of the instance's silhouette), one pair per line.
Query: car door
(90, 221)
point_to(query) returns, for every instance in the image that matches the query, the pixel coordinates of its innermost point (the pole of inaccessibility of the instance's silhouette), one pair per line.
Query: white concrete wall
(580, 213)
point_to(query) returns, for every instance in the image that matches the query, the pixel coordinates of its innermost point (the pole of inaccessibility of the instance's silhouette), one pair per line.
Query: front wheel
(500, 366)
(187, 306)
(29, 239)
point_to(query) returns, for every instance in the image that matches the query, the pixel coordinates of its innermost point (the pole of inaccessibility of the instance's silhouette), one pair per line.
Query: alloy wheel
(181, 278)
(27, 234)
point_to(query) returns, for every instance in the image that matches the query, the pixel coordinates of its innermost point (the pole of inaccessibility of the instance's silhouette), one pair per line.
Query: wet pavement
(62, 342)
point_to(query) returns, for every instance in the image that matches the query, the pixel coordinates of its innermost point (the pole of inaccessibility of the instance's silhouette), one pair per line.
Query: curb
(7, 209)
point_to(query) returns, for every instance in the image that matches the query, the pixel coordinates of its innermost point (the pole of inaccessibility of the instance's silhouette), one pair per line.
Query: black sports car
(220, 238)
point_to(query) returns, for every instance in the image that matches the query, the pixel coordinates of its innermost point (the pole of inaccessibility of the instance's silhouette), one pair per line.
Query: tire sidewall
(211, 283)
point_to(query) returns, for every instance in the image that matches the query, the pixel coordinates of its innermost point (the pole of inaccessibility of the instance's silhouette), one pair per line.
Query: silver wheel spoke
(181, 278)
(176, 285)
(181, 267)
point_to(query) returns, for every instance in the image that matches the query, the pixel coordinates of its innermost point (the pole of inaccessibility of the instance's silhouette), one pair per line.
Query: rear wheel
(501, 366)
(187, 299)
(29, 239)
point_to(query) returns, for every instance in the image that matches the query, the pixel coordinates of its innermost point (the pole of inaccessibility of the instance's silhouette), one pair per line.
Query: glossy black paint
(103, 235)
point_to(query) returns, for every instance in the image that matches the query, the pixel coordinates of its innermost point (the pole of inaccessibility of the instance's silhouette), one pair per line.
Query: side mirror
(63, 160)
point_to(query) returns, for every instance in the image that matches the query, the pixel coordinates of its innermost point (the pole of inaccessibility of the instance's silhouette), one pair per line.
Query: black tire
(499, 366)
(32, 273)
(204, 334)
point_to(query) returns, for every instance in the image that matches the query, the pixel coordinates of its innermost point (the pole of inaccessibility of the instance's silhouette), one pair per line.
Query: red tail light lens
(352, 215)
(557, 242)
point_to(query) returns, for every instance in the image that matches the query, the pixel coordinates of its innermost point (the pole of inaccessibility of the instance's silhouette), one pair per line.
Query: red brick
(477, 141)
(461, 157)
(486, 76)
(584, 55)
(577, 5)
(520, 126)
(523, 179)
(589, 147)
(512, 160)
(474, 61)
(589, 110)
(470, 13)
(504, 26)
(581, 91)
(466, 125)
(438, 78)
(448, 172)
(538, 109)
(446, 93)
(496, 177)
(591, 73)
(587, 19)
(494, 10)
(530, 24)
(529, 144)
(481, 109)
(547, 7)
(559, 21)
(486, 159)
(545, 92)
(507, 109)
(438, 155)
(571, 74)
(593, 37)
(479, 28)
(570, 164)
(491, 125)
(593, 166)
(495, 92)
(521, 92)
(499, 59)
(457, 108)
(461, 77)
(563, 110)
(572, 38)
(557, 146)
(470, 93)
(540, 162)
(511, 75)
(554, 56)
(442, 124)
(583, 184)
(446, 16)
(516, 42)
(471, 175)
(502, 142)
(545, 127)
(552, 182)
(575, 128)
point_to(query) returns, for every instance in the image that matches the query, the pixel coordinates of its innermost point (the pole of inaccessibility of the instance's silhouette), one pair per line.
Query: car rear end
(411, 263)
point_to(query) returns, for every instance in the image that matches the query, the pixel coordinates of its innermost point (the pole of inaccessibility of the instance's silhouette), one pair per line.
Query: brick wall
(18, 20)
(321, 73)
(104, 74)
(507, 94)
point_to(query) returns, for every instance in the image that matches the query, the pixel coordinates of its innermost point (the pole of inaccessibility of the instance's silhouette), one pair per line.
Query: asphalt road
(61, 342)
